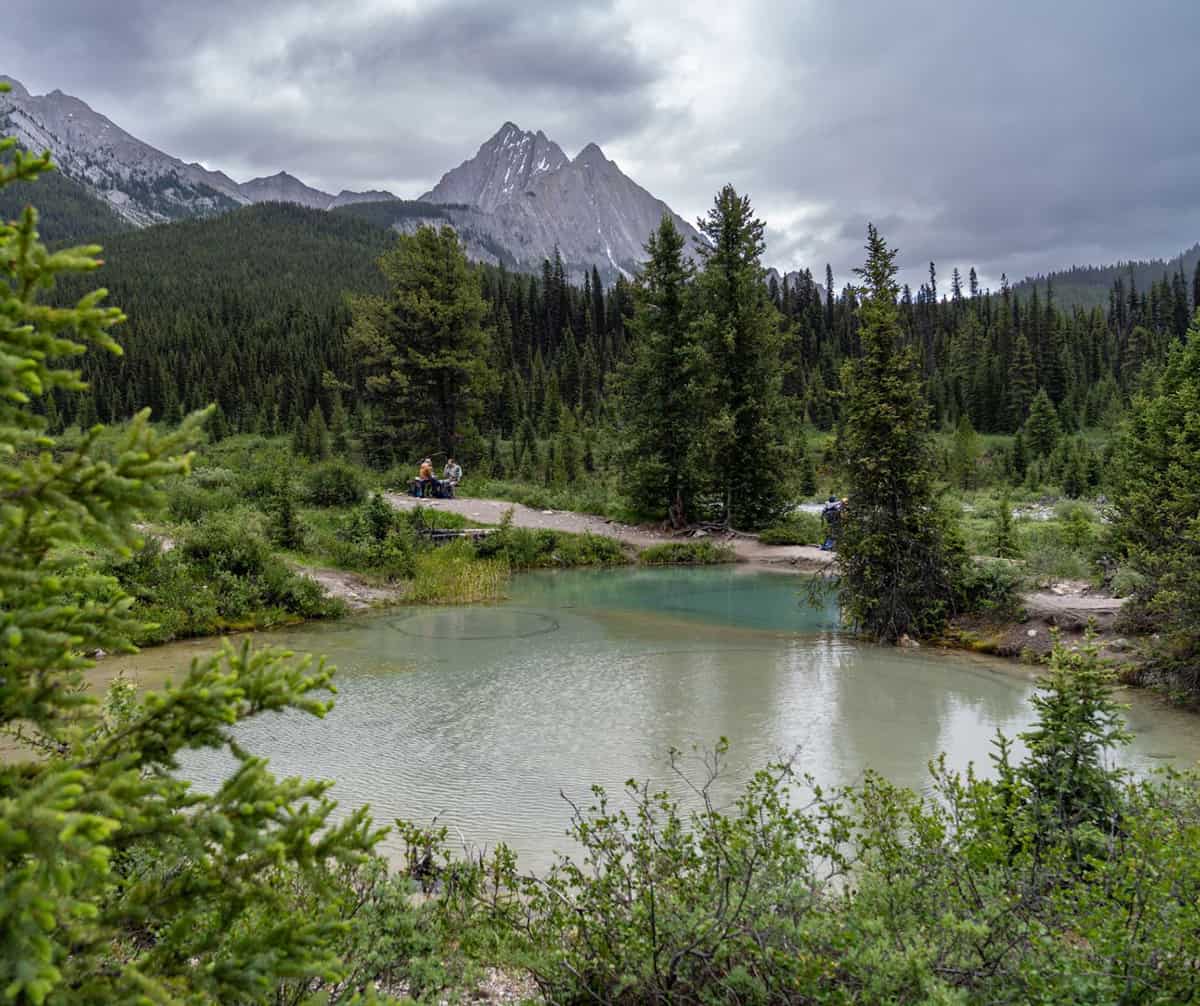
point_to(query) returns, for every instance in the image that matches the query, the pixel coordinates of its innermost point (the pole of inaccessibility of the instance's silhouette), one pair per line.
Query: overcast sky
(1017, 136)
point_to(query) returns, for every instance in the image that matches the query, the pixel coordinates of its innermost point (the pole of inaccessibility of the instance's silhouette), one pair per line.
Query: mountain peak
(284, 188)
(503, 168)
(591, 154)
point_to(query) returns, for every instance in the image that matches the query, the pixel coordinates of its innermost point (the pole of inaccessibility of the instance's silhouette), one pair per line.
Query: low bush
(1052, 548)
(222, 575)
(335, 483)
(801, 528)
(1078, 527)
(686, 553)
(376, 537)
(527, 548)
(992, 587)
(1127, 581)
(190, 499)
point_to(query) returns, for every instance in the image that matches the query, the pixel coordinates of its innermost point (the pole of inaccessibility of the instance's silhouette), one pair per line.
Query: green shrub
(375, 536)
(526, 548)
(222, 575)
(1056, 881)
(801, 528)
(1077, 525)
(335, 483)
(421, 518)
(992, 587)
(686, 553)
(189, 499)
(229, 542)
(1058, 549)
(1127, 581)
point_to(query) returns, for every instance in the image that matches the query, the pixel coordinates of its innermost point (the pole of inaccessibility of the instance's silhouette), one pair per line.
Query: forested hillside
(1093, 286)
(247, 309)
(67, 212)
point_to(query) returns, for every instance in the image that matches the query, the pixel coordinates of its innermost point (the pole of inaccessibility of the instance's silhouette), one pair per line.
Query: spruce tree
(339, 426)
(285, 527)
(964, 453)
(422, 347)
(1022, 382)
(1042, 428)
(568, 451)
(119, 883)
(807, 471)
(218, 425)
(662, 388)
(1156, 509)
(739, 331)
(1003, 536)
(316, 435)
(898, 560)
(1018, 458)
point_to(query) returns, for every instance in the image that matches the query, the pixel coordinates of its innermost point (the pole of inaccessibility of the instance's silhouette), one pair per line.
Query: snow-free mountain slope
(285, 188)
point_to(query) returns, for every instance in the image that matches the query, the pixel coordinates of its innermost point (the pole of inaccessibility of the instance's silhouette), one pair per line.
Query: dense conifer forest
(250, 310)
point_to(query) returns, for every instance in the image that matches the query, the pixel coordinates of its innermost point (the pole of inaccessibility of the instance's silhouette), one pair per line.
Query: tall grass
(453, 575)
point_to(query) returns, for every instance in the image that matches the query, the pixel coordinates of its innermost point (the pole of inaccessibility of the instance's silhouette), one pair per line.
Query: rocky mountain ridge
(141, 183)
(531, 199)
(518, 200)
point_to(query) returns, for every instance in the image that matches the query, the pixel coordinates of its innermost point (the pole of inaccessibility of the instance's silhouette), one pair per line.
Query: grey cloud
(1021, 134)
(1015, 137)
(569, 49)
(387, 97)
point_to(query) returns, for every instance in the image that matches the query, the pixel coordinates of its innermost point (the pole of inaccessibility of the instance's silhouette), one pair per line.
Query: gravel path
(747, 547)
(358, 593)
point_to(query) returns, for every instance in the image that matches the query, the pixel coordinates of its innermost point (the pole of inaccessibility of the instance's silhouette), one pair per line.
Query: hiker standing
(831, 514)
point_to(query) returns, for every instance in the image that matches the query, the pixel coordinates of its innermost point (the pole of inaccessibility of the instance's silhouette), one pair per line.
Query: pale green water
(484, 714)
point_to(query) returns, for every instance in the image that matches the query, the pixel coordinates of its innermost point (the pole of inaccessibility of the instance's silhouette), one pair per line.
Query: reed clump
(453, 575)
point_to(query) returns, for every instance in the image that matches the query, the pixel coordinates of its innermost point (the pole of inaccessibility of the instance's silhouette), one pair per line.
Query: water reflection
(482, 715)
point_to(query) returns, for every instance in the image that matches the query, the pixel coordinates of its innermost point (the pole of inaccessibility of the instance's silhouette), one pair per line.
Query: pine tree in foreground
(898, 556)
(118, 882)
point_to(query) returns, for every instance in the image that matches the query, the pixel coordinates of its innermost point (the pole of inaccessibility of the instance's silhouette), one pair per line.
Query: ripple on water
(475, 623)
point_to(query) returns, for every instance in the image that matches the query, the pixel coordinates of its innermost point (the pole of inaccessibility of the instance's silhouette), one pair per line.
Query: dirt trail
(358, 593)
(747, 548)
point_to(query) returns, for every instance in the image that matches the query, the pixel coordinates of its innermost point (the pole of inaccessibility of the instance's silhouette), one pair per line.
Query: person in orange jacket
(426, 484)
